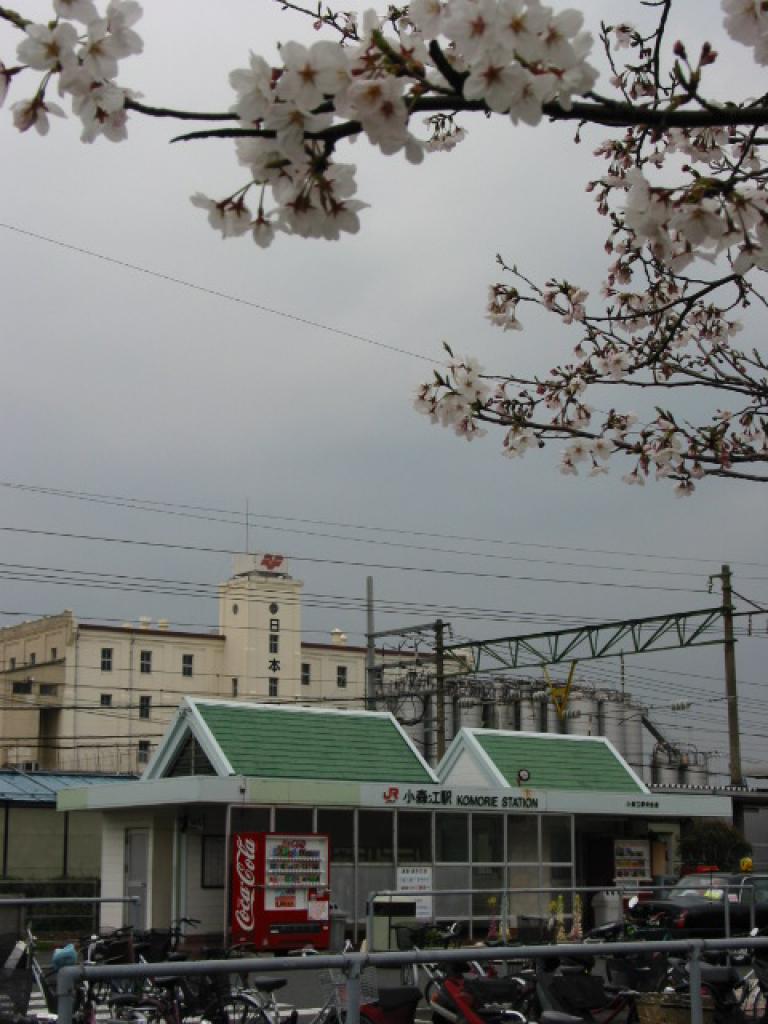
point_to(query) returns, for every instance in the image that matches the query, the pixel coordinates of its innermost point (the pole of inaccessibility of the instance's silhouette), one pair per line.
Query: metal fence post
(353, 992)
(694, 972)
(66, 980)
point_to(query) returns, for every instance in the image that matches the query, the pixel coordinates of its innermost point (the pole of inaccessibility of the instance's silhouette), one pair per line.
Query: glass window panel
(451, 907)
(250, 819)
(523, 838)
(452, 838)
(374, 837)
(340, 827)
(487, 838)
(293, 819)
(560, 880)
(556, 838)
(487, 904)
(525, 902)
(414, 837)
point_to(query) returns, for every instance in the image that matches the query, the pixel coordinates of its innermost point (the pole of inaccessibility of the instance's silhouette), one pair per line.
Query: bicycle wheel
(239, 1009)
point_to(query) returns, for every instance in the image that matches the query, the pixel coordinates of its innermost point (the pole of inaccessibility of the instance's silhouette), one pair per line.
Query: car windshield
(708, 887)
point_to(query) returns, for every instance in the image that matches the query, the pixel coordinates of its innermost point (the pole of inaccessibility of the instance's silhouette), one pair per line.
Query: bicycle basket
(335, 984)
(15, 992)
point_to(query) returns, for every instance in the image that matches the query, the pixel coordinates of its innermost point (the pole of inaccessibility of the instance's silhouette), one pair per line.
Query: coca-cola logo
(245, 872)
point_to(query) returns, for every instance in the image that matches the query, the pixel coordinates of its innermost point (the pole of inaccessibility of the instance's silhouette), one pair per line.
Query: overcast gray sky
(118, 382)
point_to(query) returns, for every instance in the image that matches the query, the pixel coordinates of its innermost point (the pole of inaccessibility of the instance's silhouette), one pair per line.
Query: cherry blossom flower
(121, 16)
(48, 49)
(471, 25)
(230, 217)
(520, 26)
(427, 16)
(76, 10)
(34, 114)
(312, 73)
(253, 86)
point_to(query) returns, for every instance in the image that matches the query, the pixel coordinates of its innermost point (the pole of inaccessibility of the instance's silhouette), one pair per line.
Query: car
(709, 904)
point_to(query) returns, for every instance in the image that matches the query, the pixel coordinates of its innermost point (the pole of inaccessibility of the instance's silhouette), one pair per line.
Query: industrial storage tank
(666, 766)
(696, 768)
(509, 712)
(582, 716)
(633, 738)
(529, 712)
(613, 711)
(468, 712)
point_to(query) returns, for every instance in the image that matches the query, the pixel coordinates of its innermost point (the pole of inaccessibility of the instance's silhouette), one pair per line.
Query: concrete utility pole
(370, 654)
(440, 688)
(729, 647)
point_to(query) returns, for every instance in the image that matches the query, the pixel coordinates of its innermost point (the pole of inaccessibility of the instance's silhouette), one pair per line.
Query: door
(136, 875)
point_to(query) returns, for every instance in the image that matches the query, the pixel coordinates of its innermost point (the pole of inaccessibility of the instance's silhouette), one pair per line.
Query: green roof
(279, 743)
(558, 762)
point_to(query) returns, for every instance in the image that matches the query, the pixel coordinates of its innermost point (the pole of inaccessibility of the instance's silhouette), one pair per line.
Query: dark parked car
(698, 905)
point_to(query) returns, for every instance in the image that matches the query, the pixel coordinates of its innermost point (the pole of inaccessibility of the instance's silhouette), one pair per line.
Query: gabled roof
(546, 761)
(286, 741)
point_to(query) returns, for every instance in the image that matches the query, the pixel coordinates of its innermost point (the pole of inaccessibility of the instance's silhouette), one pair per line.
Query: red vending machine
(279, 886)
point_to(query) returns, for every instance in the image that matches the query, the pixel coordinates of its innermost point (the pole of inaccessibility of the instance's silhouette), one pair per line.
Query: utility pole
(370, 654)
(440, 688)
(729, 647)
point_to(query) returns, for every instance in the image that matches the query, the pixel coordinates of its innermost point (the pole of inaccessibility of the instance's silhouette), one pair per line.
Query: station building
(504, 811)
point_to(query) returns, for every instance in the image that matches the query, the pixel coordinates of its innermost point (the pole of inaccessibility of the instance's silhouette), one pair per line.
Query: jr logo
(391, 795)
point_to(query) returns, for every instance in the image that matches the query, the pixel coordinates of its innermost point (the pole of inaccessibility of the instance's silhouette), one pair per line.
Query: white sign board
(417, 879)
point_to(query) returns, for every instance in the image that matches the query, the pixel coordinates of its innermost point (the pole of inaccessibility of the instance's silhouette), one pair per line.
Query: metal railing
(623, 892)
(70, 978)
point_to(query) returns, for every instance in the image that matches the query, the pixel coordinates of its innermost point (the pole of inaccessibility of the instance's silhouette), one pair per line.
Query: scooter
(460, 997)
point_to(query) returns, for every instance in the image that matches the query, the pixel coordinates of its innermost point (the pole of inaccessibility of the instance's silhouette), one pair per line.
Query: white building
(82, 696)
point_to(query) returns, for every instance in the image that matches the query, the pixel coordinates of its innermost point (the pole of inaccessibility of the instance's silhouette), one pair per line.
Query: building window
(187, 663)
(32, 658)
(13, 664)
(235, 609)
(274, 643)
(341, 675)
(234, 686)
(106, 700)
(106, 659)
(274, 625)
(23, 687)
(145, 706)
(306, 674)
(274, 609)
(54, 653)
(48, 689)
(145, 662)
(143, 755)
(273, 685)
(213, 862)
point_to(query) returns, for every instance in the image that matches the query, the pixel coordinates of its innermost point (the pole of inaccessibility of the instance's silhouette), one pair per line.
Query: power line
(240, 518)
(347, 562)
(205, 290)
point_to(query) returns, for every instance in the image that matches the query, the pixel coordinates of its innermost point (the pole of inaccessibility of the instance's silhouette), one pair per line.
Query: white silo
(696, 768)
(529, 712)
(612, 715)
(582, 714)
(470, 712)
(666, 766)
(633, 738)
(509, 712)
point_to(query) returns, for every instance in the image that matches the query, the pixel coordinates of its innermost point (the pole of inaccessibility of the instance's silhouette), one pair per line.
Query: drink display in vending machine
(279, 886)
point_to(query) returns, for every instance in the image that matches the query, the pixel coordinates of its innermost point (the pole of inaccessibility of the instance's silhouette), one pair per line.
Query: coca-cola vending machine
(279, 886)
